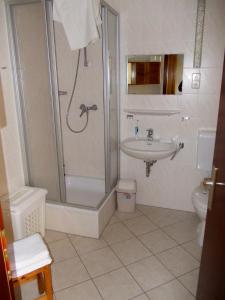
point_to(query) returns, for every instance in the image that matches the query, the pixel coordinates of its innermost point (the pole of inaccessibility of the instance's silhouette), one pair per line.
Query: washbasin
(143, 148)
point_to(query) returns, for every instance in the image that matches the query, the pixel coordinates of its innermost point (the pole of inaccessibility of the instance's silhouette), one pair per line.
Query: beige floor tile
(82, 291)
(186, 216)
(116, 233)
(85, 245)
(194, 249)
(67, 273)
(190, 281)
(62, 250)
(140, 225)
(160, 216)
(141, 297)
(53, 236)
(114, 219)
(143, 208)
(100, 261)
(157, 241)
(170, 291)
(130, 251)
(183, 231)
(150, 273)
(126, 216)
(178, 261)
(117, 285)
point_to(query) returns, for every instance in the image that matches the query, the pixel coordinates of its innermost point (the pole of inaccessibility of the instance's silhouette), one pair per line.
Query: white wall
(156, 27)
(10, 134)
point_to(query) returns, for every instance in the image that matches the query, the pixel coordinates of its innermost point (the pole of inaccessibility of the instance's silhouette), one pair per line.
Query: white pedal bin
(25, 210)
(126, 195)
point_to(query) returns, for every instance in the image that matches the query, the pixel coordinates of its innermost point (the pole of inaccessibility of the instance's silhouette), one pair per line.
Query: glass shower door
(35, 100)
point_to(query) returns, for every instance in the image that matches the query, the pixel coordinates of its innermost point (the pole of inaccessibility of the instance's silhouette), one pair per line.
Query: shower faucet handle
(84, 109)
(92, 107)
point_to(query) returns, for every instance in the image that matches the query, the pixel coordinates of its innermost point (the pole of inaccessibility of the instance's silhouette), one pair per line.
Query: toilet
(206, 142)
(200, 203)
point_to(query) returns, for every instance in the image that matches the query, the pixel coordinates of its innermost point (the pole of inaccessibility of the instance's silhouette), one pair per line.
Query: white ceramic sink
(146, 150)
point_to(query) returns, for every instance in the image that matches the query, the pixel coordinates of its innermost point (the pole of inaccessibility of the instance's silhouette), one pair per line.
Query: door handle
(212, 183)
(209, 182)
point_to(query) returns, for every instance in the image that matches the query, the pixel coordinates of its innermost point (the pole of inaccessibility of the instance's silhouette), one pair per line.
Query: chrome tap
(150, 134)
(85, 109)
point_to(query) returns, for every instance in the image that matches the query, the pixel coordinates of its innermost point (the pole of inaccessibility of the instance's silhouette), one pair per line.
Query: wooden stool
(30, 260)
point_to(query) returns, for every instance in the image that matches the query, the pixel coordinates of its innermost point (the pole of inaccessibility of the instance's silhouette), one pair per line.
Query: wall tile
(170, 27)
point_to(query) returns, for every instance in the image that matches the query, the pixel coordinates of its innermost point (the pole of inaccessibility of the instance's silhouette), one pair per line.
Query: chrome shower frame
(50, 41)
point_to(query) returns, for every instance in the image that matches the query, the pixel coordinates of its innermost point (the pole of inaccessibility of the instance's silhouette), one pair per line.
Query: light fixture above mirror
(155, 74)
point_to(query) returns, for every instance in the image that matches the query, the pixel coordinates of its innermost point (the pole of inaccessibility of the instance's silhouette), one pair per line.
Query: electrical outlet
(196, 79)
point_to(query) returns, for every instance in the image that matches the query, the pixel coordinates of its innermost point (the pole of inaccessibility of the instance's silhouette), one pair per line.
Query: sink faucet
(150, 134)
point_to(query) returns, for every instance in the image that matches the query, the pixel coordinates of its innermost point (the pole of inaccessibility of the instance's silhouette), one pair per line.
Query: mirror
(155, 74)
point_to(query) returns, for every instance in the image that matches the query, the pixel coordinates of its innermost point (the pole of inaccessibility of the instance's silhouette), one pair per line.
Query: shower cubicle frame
(52, 66)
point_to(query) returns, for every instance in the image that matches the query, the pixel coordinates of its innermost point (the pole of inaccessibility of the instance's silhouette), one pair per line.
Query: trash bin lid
(21, 198)
(126, 186)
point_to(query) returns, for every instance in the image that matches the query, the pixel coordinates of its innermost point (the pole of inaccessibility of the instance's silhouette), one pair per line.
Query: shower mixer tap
(85, 109)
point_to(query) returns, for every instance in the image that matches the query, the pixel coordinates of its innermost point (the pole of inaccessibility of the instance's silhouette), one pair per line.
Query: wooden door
(170, 66)
(6, 289)
(211, 284)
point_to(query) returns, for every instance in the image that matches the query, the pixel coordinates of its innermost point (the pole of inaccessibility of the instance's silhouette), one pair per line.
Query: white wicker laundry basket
(26, 209)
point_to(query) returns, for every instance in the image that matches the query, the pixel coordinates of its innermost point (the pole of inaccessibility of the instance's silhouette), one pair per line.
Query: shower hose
(71, 100)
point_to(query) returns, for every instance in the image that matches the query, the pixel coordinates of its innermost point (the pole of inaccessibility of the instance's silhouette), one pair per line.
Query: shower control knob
(93, 107)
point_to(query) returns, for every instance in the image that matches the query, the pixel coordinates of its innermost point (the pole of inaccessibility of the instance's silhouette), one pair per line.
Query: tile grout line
(76, 284)
(65, 238)
(125, 266)
(178, 278)
(134, 236)
(175, 277)
(133, 298)
(91, 278)
(102, 247)
(180, 221)
(178, 244)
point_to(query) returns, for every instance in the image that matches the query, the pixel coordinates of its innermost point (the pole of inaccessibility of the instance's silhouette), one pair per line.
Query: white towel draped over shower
(80, 19)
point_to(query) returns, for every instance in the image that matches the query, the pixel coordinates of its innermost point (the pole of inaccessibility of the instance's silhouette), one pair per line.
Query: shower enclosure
(77, 169)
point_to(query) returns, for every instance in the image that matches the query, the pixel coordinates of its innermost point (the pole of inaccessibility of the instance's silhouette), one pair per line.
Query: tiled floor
(149, 254)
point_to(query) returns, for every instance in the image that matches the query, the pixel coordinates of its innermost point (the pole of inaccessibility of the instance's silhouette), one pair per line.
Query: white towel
(27, 252)
(80, 19)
